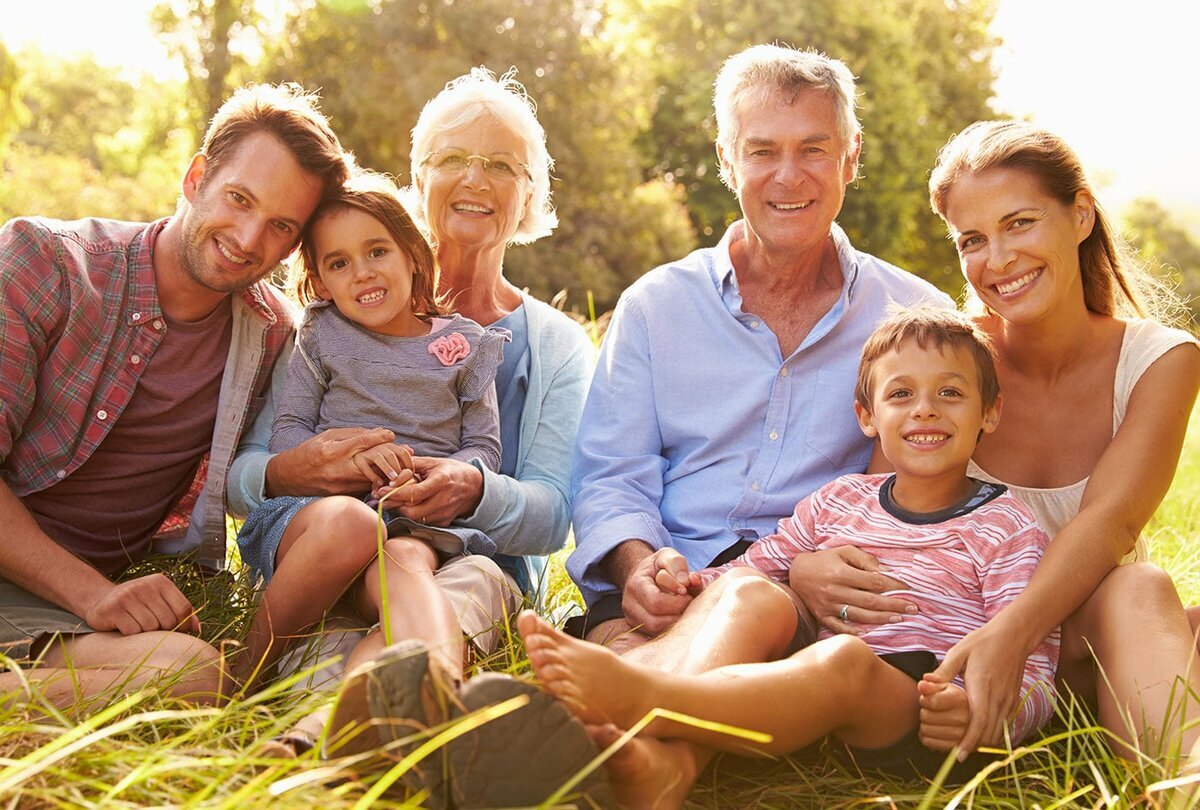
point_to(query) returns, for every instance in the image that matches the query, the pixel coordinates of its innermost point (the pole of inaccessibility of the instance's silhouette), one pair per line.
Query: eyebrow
(1005, 218)
(250, 195)
(752, 140)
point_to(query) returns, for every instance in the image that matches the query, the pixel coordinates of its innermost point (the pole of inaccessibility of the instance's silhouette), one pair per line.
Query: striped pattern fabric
(960, 572)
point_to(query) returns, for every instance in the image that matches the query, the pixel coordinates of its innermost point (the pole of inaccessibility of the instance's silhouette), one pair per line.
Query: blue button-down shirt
(697, 433)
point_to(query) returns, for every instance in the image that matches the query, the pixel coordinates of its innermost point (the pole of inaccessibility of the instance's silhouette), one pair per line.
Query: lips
(371, 296)
(470, 208)
(799, 206)
(926, 438)
(230, 256)
(1017, 284)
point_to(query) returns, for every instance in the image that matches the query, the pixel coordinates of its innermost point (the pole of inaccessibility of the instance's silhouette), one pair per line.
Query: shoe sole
(523, 757)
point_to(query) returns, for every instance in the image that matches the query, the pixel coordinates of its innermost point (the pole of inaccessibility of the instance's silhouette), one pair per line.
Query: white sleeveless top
(1144, 342)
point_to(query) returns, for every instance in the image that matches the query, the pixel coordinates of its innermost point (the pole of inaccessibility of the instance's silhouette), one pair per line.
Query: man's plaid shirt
(79, 320)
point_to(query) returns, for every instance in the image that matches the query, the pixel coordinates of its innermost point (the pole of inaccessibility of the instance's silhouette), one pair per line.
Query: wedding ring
(844, 613)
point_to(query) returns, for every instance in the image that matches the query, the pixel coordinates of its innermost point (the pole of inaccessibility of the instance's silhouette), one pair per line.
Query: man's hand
(140, 605)
(324, 465)
(647, 602)
(846, 576)
(447, 489)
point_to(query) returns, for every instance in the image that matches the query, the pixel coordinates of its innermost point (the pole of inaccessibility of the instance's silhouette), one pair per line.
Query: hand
(324, 465)
(827, 580)
(447, 489)
(992, 667)
(645, 602)
(141, 605)
(383, 464)
(945, 712)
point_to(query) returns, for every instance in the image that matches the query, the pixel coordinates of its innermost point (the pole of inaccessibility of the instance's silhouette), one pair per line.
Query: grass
(141, 750)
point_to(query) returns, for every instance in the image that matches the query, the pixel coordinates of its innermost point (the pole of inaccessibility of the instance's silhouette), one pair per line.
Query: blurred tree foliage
(623, 89)
(90, 143)
(1167, 247)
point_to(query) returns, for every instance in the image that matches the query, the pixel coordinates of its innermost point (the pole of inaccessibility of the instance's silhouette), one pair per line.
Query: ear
(1084, 210)
(866, 422)
(726, 166)
(194, 176)
(850, 167)
(991, 415)
(319, 287)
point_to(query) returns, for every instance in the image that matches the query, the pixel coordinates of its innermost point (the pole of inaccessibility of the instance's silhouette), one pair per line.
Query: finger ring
(844, 613)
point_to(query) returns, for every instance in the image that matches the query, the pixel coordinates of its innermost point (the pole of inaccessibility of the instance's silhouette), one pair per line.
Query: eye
(814, 150)
(336, 264)
(899, 393)
(502, 168)
(453, 162)
(282, 227)
(238, 198)
(1020, 222)
(969, 243)
(377, 252)
(949, 391)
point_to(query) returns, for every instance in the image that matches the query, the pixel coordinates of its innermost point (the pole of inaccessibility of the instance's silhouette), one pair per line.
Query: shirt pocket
(831, 428)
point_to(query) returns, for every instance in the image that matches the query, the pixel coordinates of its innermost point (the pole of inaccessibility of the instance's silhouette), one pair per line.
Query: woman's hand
(841, 587)
(992, 666)
(447, 489)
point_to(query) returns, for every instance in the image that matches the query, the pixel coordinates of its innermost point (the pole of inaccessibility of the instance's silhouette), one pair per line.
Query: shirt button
(60, 474)
(774, 435)
(783, 373)
(159, 325)
(137, 316)
(754, 486)
(135, 359)
(101, 414)
(753, 324)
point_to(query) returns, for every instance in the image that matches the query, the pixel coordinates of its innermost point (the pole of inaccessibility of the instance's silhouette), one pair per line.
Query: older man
(132, 356)
(725, 385)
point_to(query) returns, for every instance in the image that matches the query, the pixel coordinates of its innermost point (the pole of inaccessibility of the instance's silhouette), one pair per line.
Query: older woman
(1096, 404)
(481, 183)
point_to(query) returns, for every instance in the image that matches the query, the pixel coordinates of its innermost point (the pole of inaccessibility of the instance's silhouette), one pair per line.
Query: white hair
(463, 101)
(763, 70)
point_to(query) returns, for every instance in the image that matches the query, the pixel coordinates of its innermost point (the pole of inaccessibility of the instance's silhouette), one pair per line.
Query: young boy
(927, 389)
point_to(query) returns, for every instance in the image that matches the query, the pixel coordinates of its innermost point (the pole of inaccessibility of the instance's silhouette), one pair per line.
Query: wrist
(620, 563)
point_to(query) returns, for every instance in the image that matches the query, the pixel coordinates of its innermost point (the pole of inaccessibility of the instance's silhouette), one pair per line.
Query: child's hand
(671, 575)
(385, 464)
(945, 713)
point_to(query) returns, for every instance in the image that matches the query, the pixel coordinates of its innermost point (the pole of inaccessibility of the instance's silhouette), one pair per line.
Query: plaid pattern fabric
(79, 320)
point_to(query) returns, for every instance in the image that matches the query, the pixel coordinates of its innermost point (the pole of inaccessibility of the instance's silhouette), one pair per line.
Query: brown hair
(376, 196)
(928, 327)
(1112, 283)
(288, 113)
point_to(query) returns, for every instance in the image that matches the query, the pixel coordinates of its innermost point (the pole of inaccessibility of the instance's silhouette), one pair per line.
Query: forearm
(523, 516)
(41, 566)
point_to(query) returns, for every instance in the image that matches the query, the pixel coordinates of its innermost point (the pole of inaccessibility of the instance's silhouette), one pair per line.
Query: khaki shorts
(27, 622)
(483, 598)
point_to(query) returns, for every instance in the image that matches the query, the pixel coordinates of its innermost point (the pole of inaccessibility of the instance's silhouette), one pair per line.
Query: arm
(480, 438)
(528, 514)
(298, 410)
(1126, 487)
(618, 468)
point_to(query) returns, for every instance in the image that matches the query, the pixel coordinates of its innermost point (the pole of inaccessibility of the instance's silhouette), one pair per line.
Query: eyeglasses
(451, 161)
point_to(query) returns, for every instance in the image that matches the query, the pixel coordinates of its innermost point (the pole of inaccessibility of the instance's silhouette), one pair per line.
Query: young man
(132, 356)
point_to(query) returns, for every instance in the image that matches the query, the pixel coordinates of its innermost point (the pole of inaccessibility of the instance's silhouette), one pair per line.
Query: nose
(789, 171)
(475, 175)
(999, 255)
(924, 406)
(250, 233)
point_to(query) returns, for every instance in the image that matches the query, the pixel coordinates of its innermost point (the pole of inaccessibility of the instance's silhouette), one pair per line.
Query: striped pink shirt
(961, 572)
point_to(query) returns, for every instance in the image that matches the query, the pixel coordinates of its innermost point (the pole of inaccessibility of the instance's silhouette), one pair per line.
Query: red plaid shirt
(79, 318)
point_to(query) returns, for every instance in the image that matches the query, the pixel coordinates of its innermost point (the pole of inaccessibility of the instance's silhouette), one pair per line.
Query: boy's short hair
(929, 326)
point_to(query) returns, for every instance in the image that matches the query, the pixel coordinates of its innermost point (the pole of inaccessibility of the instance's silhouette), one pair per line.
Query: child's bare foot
(596, 684)
(647, 772)
(944, 713)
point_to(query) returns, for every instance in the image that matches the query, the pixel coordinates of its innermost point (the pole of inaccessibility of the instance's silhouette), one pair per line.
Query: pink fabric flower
(449, 349)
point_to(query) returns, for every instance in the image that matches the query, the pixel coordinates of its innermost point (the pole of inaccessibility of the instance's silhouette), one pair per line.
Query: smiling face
(1019, 247)
(365, 273)
(927, 410)
(471, 207)
(245, 216)
(789, 168)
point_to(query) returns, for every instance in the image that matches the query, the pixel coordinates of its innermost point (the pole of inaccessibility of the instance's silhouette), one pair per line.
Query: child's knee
(410, 553)
(753, 593)
(852, 665)
(348, 527)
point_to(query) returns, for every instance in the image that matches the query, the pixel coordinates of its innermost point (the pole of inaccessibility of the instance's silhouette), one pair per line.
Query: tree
(378, 63)
(12, 112)
(202, 33)
(1167, 248)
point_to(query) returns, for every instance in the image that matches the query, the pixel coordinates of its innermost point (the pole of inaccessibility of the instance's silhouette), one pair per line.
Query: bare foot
(647, 773)
(595, 683)
(945, 713)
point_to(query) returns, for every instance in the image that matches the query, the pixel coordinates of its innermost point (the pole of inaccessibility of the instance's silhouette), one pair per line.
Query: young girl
(375, 348)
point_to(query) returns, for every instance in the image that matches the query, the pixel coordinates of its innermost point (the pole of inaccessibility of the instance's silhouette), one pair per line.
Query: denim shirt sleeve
(246, 484)
(617, 475)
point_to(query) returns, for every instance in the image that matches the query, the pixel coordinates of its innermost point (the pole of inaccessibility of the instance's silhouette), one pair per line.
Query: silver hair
(464, 100)
(764, 70)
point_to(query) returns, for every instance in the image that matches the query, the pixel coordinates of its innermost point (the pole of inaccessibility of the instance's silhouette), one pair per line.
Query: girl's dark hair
(377, 196)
